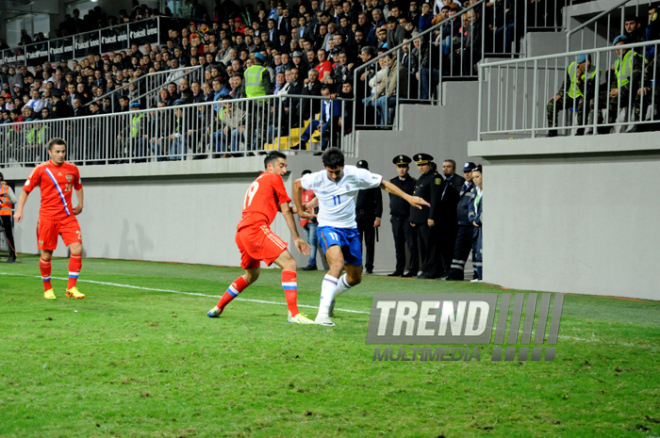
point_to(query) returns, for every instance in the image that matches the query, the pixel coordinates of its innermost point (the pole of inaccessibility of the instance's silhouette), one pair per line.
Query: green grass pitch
(133, 361)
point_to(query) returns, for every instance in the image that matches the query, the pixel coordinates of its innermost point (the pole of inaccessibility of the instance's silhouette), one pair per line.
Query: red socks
(44, 268)
(232, 292)
(290, 286)
(75, 264)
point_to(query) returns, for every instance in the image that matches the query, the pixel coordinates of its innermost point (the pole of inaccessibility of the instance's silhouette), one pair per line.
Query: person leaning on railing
(575, 94)
(134, 135)
(397, 83)
(628, 73)
(468, 53)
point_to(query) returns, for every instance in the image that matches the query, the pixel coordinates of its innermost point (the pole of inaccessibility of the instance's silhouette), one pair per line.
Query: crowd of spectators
(308, 46)
(333, 38)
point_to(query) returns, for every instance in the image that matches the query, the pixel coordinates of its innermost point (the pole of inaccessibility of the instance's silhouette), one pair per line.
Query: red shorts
(48, 230)
(258, 243)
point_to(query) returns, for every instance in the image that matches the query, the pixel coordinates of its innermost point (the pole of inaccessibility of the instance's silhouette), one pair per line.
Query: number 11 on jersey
(336, 199)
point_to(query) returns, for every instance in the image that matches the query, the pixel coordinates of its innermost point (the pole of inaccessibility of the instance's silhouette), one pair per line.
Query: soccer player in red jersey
(257, 243)
(56, 179)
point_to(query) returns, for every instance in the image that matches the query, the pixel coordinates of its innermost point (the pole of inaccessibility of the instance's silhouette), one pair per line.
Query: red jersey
(307, 195)
(56, 184)
(262, 200)
(323, 68)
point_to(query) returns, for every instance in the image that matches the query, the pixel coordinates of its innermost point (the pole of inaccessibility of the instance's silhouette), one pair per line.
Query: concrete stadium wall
(573, 214)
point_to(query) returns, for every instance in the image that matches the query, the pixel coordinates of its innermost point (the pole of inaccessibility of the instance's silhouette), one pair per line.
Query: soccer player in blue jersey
(336, 189)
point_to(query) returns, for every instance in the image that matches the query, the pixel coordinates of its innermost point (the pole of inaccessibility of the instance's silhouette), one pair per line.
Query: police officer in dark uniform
(447, 226)
(368, 211)
(403, 233)
(463, 243)
(429, 187)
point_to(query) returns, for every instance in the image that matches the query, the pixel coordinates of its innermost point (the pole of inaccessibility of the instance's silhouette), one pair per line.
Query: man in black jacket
(446, 226)
(404, 234)
(463, 243)
(368, 211)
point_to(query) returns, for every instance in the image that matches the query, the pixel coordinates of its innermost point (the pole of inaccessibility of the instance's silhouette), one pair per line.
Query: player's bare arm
(301, 245)
(79, 208)
(415, 201)
(297, 199)
(311, 204)
(18, 216)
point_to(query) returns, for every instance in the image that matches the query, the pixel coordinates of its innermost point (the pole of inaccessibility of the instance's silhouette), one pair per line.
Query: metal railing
(414, 69)
(546, 15)
(107, 39)
(448, 50)
(146, 88)
(602, 26)
(534, 96)
(219, 129)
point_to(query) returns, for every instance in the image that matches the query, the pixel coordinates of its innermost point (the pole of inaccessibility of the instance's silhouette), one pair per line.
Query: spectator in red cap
(239, 27)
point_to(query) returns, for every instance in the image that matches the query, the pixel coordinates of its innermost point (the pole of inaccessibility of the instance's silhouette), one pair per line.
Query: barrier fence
(614, 91)
(220, 129)
(146, 89)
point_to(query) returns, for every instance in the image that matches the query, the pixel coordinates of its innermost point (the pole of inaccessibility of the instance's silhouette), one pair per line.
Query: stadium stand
(123, 79)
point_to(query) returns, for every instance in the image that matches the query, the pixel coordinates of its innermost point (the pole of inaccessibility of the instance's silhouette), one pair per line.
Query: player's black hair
(56, 141)
(304, 172)
(332, 158)
(2, 177)
(273, 156)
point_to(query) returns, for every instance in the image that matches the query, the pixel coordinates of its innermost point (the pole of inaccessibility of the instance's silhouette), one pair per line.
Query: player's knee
(291, 265)
(76, 248)
(251, 277)
(354, 281)
(337, 265)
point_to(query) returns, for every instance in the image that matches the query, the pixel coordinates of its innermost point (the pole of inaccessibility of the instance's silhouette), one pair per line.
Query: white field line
(593, 339)
(169, 291)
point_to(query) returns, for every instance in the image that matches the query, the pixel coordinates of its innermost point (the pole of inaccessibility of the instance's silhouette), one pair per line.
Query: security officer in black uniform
(463, 243)
(429, 187)
(368, 211)
(446, 225)
(403, 233)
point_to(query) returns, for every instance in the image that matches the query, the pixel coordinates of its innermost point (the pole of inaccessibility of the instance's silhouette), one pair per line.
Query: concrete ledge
(196, 168)
(558, 146)
(590, 8)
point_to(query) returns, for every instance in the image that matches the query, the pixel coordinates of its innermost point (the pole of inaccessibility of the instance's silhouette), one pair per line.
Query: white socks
(330, 289)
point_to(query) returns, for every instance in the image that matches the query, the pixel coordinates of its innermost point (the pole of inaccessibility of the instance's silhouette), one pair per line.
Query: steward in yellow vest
(575, 94)
(628, 75)
(258, 83)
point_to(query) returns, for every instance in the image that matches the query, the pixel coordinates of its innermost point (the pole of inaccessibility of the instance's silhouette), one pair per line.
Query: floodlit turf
(142, 363)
